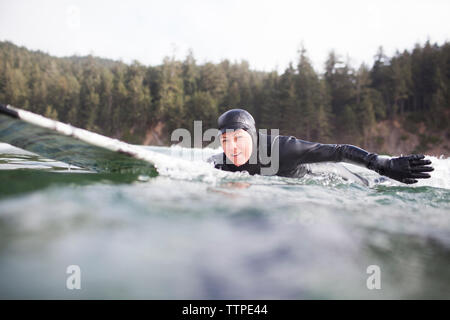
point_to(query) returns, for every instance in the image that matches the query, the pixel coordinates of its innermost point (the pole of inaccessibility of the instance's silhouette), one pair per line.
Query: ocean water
(195, 232)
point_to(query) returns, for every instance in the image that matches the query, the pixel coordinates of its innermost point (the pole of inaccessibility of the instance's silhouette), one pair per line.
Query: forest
(340, 105)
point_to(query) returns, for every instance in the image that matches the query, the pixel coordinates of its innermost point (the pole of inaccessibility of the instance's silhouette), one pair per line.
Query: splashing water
(195, 232)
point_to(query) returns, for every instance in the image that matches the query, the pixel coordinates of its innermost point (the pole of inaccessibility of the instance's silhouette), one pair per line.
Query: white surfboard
(63, 142)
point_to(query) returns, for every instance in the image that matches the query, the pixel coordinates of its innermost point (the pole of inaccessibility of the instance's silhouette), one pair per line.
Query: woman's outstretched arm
(404, 169)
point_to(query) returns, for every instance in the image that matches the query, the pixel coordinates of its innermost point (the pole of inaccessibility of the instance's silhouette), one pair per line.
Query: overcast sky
(268, 34)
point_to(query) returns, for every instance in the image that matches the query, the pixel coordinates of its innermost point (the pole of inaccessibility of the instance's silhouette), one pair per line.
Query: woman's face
(237, 146)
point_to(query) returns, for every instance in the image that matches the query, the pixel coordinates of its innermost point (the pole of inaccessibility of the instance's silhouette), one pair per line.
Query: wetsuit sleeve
(309, 152)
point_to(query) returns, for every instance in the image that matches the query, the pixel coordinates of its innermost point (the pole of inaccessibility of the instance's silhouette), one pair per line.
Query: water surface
(206, 234)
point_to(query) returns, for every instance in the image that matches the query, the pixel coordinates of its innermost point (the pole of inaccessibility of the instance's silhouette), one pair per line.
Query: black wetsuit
(294, 154)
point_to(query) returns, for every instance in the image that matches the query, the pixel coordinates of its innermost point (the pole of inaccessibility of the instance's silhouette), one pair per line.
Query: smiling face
(237, 146)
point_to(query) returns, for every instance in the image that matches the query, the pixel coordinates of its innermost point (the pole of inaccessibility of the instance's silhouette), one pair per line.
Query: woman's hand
(404, 169)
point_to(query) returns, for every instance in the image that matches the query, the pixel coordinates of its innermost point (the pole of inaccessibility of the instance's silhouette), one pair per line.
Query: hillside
(401, 104)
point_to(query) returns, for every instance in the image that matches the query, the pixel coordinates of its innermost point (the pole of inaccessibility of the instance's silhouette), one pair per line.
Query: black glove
(404, 169)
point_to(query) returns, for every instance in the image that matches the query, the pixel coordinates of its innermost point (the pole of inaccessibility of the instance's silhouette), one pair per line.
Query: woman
(245, 149)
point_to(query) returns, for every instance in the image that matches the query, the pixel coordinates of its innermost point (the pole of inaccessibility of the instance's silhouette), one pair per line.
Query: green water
(195, 235)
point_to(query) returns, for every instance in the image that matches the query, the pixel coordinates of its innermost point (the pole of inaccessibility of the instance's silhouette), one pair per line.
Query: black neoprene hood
(236, 119)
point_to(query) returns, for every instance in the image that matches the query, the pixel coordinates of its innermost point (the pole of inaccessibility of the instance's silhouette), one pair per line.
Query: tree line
(342, 104)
